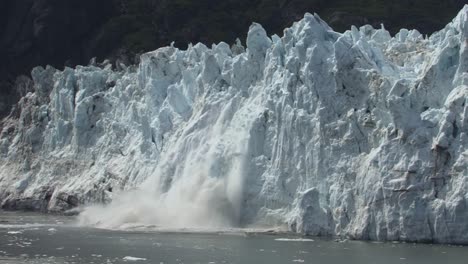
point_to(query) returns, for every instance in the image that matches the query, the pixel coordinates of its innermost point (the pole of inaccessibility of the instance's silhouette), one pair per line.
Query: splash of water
(198, 183)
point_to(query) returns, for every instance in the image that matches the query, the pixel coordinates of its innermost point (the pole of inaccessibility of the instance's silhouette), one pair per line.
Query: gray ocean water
(34, 238)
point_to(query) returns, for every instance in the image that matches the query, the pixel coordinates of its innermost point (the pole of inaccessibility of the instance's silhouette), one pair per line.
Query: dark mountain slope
(39, 32)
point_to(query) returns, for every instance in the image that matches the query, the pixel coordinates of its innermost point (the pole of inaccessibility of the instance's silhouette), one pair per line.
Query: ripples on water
(32, 238)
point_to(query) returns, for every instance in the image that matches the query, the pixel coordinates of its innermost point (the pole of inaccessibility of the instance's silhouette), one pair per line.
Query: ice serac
(359, 135)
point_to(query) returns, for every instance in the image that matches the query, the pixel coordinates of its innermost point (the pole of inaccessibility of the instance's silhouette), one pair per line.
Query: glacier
(357, 134)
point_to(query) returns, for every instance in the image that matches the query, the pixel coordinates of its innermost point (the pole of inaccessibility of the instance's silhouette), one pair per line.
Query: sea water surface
(35, 238)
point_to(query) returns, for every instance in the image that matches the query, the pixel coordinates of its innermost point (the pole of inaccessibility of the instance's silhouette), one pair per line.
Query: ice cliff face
(356, 134)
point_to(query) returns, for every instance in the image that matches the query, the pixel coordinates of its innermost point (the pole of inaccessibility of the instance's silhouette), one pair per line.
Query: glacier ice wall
(359, 134)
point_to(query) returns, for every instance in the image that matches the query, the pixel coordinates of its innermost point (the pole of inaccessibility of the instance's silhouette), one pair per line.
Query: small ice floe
(52, 230)
(299, 260)
(129, 258)
(14, 232)
(294, 240)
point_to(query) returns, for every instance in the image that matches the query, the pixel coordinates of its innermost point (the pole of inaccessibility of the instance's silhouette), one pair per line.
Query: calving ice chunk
(357, 134)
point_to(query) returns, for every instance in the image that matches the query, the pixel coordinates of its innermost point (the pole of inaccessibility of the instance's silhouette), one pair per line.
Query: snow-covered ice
(359, 135)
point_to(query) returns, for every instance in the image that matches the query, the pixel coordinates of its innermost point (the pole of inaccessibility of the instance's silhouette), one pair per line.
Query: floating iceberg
(359, 134)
